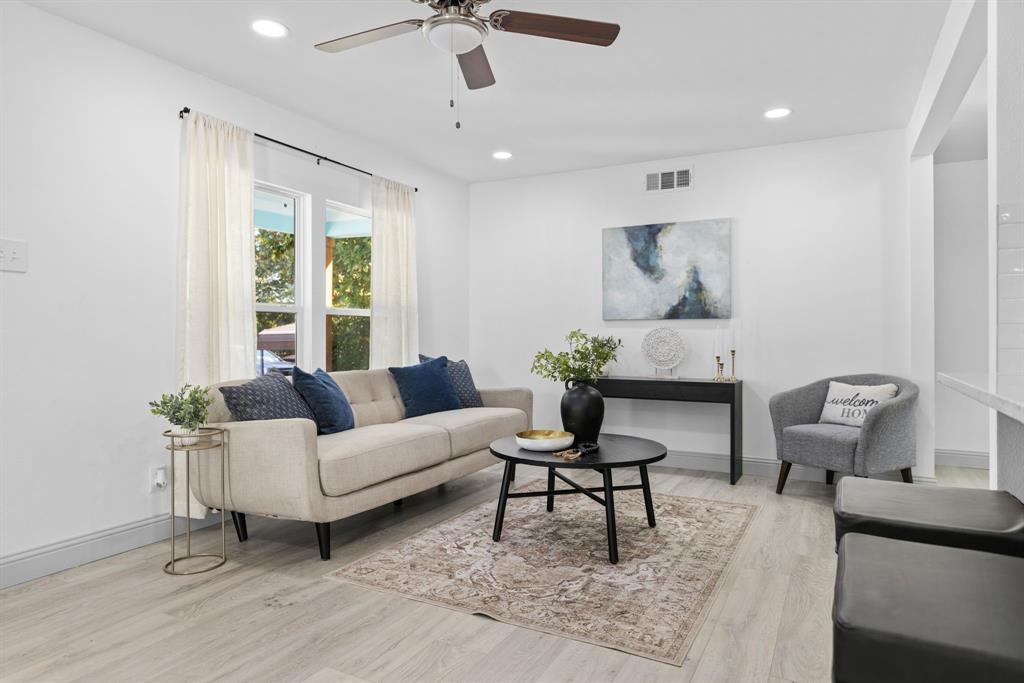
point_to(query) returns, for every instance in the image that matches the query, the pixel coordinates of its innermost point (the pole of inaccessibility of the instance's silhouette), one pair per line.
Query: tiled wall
(1010, 263)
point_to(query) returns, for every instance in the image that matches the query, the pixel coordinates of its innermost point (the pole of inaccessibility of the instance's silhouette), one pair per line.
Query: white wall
(90, 139)
(819, 274)
(961, 300)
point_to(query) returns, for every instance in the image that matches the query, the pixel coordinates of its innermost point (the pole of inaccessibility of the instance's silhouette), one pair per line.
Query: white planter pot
(184, 437)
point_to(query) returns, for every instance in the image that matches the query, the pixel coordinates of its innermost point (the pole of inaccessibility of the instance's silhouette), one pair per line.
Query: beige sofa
(281, 468)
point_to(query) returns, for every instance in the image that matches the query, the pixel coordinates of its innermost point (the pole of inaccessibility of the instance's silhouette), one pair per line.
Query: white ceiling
(967, 137)
(682, 78)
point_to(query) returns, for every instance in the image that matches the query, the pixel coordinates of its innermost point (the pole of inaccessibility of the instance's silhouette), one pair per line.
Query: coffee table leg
(551, 487)
(499, 518)
(648, 501)
(609, 510)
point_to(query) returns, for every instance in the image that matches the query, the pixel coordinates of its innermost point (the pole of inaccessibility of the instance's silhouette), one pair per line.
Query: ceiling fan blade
(550, 26)
(476, 69)
(371, 36)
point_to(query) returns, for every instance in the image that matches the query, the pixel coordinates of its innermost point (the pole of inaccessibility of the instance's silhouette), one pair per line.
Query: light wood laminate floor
(269, 615)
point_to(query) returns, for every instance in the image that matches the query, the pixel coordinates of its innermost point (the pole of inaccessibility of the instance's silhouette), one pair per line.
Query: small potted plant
(185, 410)
(580, 366)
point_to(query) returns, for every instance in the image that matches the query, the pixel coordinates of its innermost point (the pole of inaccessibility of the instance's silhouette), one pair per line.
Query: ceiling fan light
(454, 34)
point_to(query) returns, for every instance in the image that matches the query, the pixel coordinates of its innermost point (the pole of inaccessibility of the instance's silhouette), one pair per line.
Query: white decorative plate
(544, 440)
(663, 348)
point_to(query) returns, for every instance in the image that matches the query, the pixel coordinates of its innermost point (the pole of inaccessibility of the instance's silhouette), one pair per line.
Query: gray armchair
(886, 441)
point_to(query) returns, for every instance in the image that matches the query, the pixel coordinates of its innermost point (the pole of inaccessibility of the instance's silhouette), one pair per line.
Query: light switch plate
(14, 256)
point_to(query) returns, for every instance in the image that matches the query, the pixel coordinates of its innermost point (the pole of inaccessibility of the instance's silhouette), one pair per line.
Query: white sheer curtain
(216, 331)
(394, 318)
(216, 257)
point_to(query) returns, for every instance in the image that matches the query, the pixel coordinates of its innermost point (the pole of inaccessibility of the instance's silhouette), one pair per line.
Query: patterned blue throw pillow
(329, 403)
(270, 397)
(462, 382)
(426, 388)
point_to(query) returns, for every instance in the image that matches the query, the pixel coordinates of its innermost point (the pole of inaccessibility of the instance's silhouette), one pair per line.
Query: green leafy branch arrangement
(585, 360)
(186, 409)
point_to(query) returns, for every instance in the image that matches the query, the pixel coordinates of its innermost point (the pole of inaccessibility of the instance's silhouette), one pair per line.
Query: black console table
(692, 390)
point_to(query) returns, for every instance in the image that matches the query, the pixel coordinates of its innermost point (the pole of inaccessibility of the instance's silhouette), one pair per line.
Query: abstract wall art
(668, 271)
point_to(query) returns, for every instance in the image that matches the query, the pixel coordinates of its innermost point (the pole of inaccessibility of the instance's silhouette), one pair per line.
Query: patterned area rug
(550, 572)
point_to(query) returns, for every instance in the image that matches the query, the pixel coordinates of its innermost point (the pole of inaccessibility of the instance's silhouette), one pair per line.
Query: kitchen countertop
(1004, 393)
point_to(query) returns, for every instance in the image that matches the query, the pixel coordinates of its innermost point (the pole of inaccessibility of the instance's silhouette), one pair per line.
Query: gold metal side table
(205, 439)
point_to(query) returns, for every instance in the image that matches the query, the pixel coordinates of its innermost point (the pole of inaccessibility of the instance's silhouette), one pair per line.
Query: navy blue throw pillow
(426, 388)
(462, 381)
(326, 399)
(270, 397)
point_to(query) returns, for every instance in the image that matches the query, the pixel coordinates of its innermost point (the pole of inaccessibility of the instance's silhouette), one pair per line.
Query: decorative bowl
(544, 440)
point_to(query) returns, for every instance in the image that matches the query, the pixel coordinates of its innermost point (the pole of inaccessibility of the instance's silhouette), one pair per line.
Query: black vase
(582, 411)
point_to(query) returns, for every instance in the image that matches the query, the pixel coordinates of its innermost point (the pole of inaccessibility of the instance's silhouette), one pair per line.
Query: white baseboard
(49, 559)
(757, 467)
(977, 460)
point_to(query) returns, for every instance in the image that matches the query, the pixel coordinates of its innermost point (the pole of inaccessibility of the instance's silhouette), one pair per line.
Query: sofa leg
(783, 474)
(323, 538)
(907, 475)
(830, 477)
(238, 519)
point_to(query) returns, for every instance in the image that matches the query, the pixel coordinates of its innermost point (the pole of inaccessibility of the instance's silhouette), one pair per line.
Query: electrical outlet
(158, 479)
(14, 255)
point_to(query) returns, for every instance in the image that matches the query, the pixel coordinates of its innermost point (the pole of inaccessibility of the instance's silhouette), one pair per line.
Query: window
(288, 258)
(277, 301)
(347, 251)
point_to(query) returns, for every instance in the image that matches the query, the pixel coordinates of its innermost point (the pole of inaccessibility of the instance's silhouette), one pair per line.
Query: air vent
(669, 180)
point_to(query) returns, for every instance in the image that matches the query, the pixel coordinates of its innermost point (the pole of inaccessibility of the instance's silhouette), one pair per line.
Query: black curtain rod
(318, 157)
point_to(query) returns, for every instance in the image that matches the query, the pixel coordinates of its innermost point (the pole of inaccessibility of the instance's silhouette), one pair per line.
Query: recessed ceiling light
(502, 155)
(269, 28)
(779, 113)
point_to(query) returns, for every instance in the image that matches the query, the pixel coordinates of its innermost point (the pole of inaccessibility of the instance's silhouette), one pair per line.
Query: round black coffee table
(616, 451)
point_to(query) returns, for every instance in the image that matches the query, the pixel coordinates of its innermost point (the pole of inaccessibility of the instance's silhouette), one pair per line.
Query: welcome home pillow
(848, 404)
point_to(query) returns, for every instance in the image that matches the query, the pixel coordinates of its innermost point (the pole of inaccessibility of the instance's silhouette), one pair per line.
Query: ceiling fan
(457, 27)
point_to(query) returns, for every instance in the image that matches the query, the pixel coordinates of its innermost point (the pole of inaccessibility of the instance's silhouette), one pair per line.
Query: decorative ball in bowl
(544, 440)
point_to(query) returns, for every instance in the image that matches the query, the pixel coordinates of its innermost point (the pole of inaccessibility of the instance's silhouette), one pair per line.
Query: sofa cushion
(426, 387)
(326, 399)
(462, 382)
(364, 456)
(473, 429)
(372, 394)
(978, 519)
(821, 445)
(270, 397)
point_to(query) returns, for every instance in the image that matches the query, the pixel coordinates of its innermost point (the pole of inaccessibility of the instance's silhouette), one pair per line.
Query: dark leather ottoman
(916, 612)
(976, 519)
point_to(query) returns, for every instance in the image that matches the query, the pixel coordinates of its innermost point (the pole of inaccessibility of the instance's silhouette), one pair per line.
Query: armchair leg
(783, 475)
(907, 475)
(323, 538)
(830, 477)
(238, 519)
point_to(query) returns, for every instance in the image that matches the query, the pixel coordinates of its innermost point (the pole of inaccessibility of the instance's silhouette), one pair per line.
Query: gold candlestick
(732, 353)
(719, 366)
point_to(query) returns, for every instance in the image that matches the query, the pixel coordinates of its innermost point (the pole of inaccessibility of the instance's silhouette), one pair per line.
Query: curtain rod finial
(184, 110)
